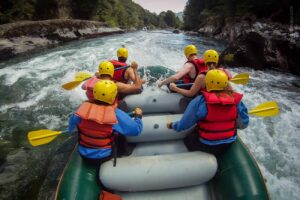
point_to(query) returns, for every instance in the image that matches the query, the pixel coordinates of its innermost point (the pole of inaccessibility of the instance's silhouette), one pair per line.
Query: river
(32, 99)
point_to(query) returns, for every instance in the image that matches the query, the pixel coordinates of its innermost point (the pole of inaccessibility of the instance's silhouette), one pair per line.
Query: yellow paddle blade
(71, 85)
(81, 76)
(267, 109)
(242, 79)
(41, 137)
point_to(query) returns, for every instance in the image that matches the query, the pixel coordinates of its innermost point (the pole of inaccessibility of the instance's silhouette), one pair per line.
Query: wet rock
(19, 175)
(27, 170)
(256, 44)
(265, 49)
(23, 37)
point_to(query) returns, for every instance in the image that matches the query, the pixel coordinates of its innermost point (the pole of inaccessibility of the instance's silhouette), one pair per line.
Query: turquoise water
(32, 99)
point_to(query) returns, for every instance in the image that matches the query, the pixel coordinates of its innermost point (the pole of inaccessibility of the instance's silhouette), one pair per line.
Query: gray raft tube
(155, 129)
(154, 100)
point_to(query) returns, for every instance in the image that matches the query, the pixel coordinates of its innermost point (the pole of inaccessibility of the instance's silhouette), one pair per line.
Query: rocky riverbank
(258, 44)
(31, 36)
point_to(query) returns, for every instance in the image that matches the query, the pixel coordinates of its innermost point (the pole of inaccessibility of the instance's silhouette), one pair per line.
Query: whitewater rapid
(32, 97)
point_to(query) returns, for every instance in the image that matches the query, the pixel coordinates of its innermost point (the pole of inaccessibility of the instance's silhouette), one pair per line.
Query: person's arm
(86, 84)
(183, 71)
(243, 117)
(73, 123)
(129, 74)
(126, 125)
(131, 88)
(227, 72)
(195, 111)
(198, 84)
(132, 74)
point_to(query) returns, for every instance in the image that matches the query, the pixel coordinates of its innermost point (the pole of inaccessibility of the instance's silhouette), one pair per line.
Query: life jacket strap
(216, 131)
(97, 137)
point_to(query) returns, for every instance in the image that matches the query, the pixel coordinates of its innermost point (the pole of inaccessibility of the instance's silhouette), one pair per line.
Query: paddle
(44, 136)
(242, 79)
(82, 76)
(73, 84)
(267, 109)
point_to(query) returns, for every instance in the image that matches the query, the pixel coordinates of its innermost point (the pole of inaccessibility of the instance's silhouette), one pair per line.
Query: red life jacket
(220, 122)
(95, 128)
(200, 68)
(119, 75)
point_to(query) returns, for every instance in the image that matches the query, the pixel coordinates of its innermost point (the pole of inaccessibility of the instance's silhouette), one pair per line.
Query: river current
(31, 98)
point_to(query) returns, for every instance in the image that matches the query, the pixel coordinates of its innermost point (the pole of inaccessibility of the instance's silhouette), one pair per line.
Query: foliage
(16, 9)
(45, 9)
(123, 13)
(84, 9)
(196, 12)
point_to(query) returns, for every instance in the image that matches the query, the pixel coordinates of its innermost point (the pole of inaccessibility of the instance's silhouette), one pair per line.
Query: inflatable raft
(160, 166)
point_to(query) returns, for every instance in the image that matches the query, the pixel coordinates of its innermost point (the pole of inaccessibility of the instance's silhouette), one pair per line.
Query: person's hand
(138, 111)
(159, 83)
(97, 74)
(173, 86)
(169, 125)
(134, 65)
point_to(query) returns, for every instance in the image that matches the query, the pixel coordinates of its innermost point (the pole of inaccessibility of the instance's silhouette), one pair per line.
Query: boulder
(267, 48)
(256, 44)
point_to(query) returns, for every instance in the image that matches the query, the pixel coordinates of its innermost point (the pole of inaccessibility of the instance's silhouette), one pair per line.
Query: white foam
(49, 121)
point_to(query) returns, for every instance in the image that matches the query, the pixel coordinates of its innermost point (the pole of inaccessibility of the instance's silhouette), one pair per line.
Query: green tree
(84, 9)
(46, 9)
(11, 10)
(170, 19)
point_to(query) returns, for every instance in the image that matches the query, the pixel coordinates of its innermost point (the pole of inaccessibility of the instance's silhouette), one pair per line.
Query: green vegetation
(198, 11)
(122, 13)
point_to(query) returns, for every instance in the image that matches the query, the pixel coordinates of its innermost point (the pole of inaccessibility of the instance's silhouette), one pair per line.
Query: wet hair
(217, 65)
(100, 102)
(104, 76)
(122, 59)
(229, 92)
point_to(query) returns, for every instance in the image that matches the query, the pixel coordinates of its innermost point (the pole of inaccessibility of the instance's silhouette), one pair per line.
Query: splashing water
(32, 97)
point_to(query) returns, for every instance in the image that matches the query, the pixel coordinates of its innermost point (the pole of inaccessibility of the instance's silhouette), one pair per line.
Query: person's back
(99, 124)
(98, 121)
(211, 60)
(123, 71)
(106, 71)
(192, 67)
(198, 64)
(104, 68)
(217, 113)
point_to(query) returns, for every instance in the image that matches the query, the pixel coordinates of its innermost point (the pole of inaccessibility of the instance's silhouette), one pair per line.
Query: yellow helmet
(211, 56)
(106, 67)
(216, 79)
(189, 50)
(105, 91)
(122, 52)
